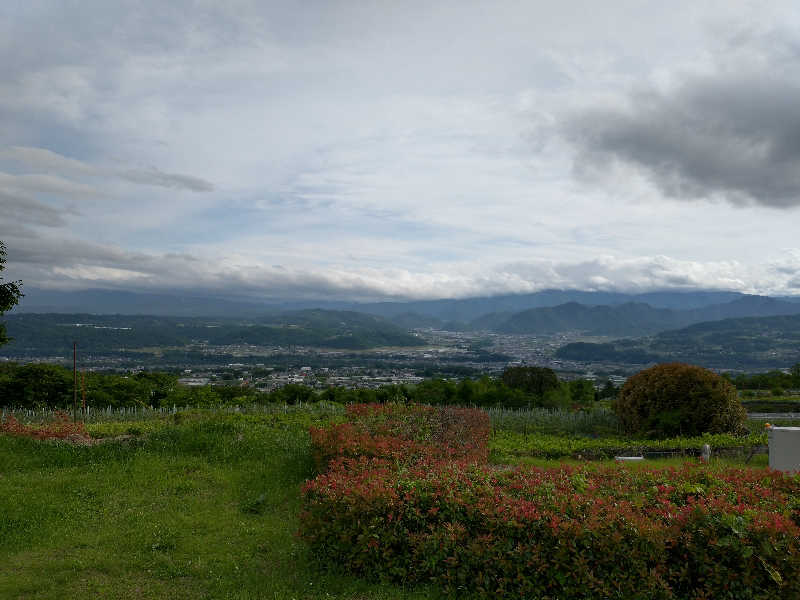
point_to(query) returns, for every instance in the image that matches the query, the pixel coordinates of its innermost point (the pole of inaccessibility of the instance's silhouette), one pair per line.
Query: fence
(144, 413)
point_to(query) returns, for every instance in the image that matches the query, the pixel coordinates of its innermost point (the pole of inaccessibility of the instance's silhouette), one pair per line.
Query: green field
(199, 504)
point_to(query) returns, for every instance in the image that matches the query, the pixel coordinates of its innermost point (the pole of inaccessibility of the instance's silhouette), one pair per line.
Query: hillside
(629, 319)
(747, 343)
(49, 334)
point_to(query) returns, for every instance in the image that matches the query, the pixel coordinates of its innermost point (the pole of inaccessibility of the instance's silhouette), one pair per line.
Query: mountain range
(36, 334)
(747, 343)
(436, 312)
(628, 319)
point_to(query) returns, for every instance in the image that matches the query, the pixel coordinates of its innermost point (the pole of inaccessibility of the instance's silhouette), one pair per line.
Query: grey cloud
(735, 137)
(19, 209)
(50, 252)
(41, 158)
(48, 184)
(167, 180)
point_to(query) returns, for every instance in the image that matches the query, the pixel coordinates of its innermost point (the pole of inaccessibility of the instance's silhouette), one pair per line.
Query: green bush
(679, 399)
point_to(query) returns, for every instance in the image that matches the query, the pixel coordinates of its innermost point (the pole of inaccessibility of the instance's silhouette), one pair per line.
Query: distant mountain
(746, 343)
(53, 334)
(116, 302)
(624, 319)
(410, 320)
(99, 301)
(325, 328)
(629, 319)
(469, 309)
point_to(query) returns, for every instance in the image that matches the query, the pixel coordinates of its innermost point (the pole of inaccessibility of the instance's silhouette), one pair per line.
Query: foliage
(43, 385)
(392, 507)
(62, 428)
(509, 446)
(770, 380)
(597, 421)
(560, 533)
(678, 399)
(36, 385)
(532, 380)
(581, 392)
(10, 293)
(403, 433)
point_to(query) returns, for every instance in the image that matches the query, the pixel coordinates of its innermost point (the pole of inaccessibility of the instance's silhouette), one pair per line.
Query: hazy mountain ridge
(631, 319)
(37, 334)
(104, 301)
(747, 343)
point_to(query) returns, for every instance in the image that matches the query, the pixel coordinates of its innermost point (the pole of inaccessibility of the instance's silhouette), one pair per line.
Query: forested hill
(624, 319)
(48, 334)
(629, 319)
(749, 343)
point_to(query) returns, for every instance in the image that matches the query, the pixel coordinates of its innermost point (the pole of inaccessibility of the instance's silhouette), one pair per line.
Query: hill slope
(48, 334)
(747, 343)
(629, 319)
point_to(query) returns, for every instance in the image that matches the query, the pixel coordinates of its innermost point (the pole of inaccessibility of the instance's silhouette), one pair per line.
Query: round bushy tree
(678, 399)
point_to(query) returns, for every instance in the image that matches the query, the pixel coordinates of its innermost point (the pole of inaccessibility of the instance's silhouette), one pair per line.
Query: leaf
(773, 572)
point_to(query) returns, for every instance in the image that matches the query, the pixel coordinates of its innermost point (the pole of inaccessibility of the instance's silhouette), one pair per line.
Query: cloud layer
(400, 150)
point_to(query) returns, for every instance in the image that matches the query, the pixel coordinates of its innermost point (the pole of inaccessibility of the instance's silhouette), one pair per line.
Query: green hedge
(505, 445)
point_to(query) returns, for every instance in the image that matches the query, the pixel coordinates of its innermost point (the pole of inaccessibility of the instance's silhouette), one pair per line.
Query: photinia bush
(404, 433)
(407, 507)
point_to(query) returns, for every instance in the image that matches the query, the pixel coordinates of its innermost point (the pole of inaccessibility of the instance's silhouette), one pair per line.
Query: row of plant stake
(406, 495)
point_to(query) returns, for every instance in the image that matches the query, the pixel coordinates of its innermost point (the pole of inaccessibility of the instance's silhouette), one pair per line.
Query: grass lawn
(203, 508)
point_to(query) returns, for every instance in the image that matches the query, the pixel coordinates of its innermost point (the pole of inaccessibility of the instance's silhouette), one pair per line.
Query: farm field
(200, 504)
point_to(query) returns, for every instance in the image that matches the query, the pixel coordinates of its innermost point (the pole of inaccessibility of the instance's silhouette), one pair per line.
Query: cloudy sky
(370, 150)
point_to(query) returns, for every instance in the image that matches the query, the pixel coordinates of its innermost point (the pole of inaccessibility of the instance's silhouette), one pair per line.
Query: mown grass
(205, 507)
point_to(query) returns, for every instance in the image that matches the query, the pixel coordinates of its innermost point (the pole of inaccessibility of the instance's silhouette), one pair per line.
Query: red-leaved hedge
(404, 433)
(62, 428)
(569, 532)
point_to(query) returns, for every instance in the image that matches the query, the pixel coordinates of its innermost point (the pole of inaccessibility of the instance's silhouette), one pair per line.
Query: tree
(679, 399)
(9, 294)
(531, 380)
(609, 390)
(581, 392)
(795, 374)
(36, 386)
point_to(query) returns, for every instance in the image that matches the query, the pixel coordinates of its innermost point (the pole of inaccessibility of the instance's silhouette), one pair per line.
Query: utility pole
(74, 381)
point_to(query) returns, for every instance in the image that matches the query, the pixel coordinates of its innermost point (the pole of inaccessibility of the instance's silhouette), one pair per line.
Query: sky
(400, 150)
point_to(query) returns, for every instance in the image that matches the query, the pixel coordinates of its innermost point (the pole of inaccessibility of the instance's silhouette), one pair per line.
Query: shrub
(678, 399)
(404, 433)
(406, 497)
(560, 533)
